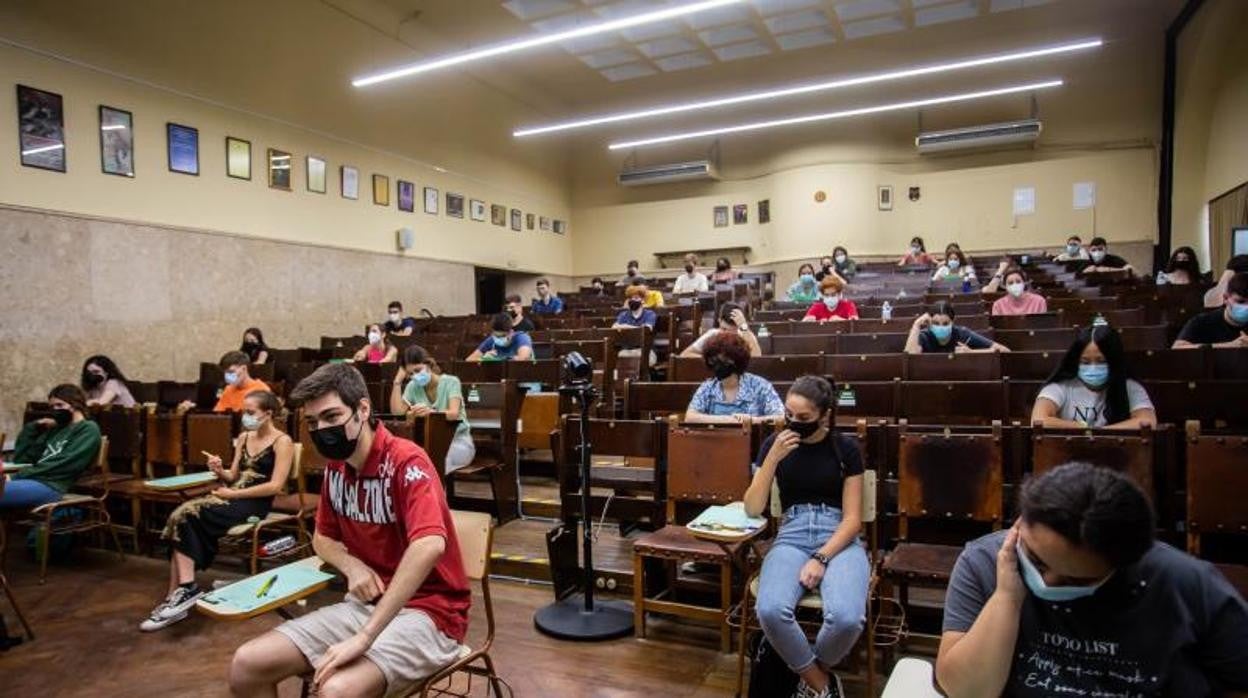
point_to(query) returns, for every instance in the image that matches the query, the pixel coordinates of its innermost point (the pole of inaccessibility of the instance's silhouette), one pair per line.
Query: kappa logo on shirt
(413, 474)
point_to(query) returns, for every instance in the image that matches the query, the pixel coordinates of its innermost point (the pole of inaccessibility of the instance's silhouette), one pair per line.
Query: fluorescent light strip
(113, 127)
(44, 149)
(817, 87)
(828, 116)
(543, 40)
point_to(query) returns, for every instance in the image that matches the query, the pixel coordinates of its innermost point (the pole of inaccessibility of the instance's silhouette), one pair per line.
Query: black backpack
(770, 677)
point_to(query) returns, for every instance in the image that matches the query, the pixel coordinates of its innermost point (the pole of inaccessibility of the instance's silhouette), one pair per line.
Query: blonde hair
(636, 290)
(831, 283)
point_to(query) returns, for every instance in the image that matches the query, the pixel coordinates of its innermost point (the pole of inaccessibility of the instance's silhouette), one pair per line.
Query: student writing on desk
(262, 460)
(383, 522)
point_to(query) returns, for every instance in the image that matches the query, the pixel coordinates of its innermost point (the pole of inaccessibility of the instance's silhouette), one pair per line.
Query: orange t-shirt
(231, 399)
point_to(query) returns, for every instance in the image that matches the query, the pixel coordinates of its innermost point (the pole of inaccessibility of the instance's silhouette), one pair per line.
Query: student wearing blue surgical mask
(1078, 598)
(1092, 387)
(955, 268)
(832, 304)
(1223, 328)
(1073, 251)
(806, 288)
(236, 367)
(420, 388)
(505, 343)
(934, 332)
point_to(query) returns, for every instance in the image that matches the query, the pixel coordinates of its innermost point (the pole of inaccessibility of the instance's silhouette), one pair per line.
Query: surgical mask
(1035, 582)
(231, 377)
(840, 259)
(832, 301)
(688, 268)
(62, 416)
(251, 422)
(395, 317)
(1239, 313)
(1097, 255)
(953, 264)
(915, 249)
(634, 304)
(1015, 289)
(502, 342)
(1072, 248)
(942, 333)
(374, 338)
(1094, 375)
(332, 442)
(722, 368)
(422, 377)
(597, 287)
(807, 279)
(802, 429)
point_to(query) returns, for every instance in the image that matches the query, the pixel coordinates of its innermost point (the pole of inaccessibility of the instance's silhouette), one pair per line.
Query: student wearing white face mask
(1100, 260)
(1092, 387)
(1077, 598)
(263, 455)
(1017, 299)
(832, 305)
(1073, 251)
(420, 387)
(396, 323)
(378, 350)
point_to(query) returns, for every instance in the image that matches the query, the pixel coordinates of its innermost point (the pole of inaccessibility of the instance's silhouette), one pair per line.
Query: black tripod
(578, 617)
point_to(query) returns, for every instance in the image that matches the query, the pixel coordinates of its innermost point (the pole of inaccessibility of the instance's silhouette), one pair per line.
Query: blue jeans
(27, 494)
(804, 529)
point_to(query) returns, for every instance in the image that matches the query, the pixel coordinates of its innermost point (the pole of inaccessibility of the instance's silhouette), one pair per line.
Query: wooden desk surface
(307, 581)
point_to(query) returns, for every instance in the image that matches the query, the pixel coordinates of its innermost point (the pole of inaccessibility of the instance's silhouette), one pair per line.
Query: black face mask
(634, 304)
(91, 380)
(332, 442)
(62, 417)
(802, 429)
(721, 267)
(688, 268)
(722, 368)
(250, 346)
(513, 314)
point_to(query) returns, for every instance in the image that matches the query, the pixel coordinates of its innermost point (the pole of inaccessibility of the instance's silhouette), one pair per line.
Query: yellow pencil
(264, 588)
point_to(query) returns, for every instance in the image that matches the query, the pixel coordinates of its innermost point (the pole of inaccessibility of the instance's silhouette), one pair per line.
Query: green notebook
(180, 481)
(729, 520)
(290, 580)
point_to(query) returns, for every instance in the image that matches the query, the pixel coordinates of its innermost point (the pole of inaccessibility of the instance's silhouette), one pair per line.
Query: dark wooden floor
(88, 644)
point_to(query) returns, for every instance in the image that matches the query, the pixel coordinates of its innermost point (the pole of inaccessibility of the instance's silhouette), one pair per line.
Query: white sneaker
(172, 610)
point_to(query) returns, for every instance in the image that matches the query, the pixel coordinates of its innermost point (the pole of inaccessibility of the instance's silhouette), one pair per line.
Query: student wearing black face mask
(58, 448)
(819, 474)
(635, 312)
(254, 347)
(383, 522)
(692, 281)
(104, 383)
(732, 395)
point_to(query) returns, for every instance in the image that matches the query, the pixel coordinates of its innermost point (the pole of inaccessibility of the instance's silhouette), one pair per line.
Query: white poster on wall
(1084, 195)
(1024, 201)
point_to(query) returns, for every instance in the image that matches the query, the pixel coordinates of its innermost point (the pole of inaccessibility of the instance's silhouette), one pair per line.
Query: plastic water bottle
(763, 331)
(1161, 278)
(966, 284)
(886, 311)
(901, 293)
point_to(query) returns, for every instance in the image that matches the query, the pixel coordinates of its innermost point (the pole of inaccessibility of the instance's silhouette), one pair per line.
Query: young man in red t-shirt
(832, 305)
(383, 522)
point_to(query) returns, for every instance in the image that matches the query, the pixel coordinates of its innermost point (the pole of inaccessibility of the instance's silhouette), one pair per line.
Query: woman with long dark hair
(819, 474)
(253, 345)
(1092, 387)
(1183, 267)
(104, 383)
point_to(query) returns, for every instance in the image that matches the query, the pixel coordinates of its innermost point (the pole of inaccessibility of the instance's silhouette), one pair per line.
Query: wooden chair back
(313, 461)
(939, 402)
(644, 399)
(213, 433)
(474, 531)
(953, 367)
(100, 466)
(124, 428)
(539, 416)
(1040, 321)
(707, 465)
(882, 343)
(947, 475)
(1029, 365)
(164, 442)
(294, 502)
(629, 443)
(1127, 452)
(1217, 477)
(871, 400)
(479, 371)
(864, 367)
(785, 345)
(548, 372)
(1036, 340)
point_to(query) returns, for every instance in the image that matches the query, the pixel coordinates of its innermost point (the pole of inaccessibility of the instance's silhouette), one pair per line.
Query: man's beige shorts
(408, 650)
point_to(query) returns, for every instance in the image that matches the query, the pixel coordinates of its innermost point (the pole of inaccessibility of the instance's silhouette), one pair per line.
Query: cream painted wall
(1211, 108)
(213, 201)
(969, 200)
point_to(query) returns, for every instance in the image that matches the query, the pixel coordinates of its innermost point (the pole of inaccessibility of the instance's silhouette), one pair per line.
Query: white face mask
(374, 337)
(832, 301)
(1015, 289)
(1097, 255)
(840, 259)
(395, 317)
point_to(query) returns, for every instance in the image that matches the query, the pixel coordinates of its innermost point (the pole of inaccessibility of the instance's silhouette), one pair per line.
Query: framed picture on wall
(381, 190)
(350, 182)
(41, 128)
(884, 196)
(316, 174)
(237, 158)
(740, 214)
(476, 209)
(543, 222)
(530, 221)
(431, 200)
(279, 169)
(516, 220)
(498, 214)
(183, 144)
(764, 211)
(407, 196)
(721, 217)
(455, 205)
(116, 142)
(560, 227)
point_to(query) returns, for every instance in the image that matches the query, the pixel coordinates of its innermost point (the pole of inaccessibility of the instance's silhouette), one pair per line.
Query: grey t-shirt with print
(1077, 403)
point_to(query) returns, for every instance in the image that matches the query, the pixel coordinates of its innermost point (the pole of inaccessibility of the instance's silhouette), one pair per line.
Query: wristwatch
(823, 559)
